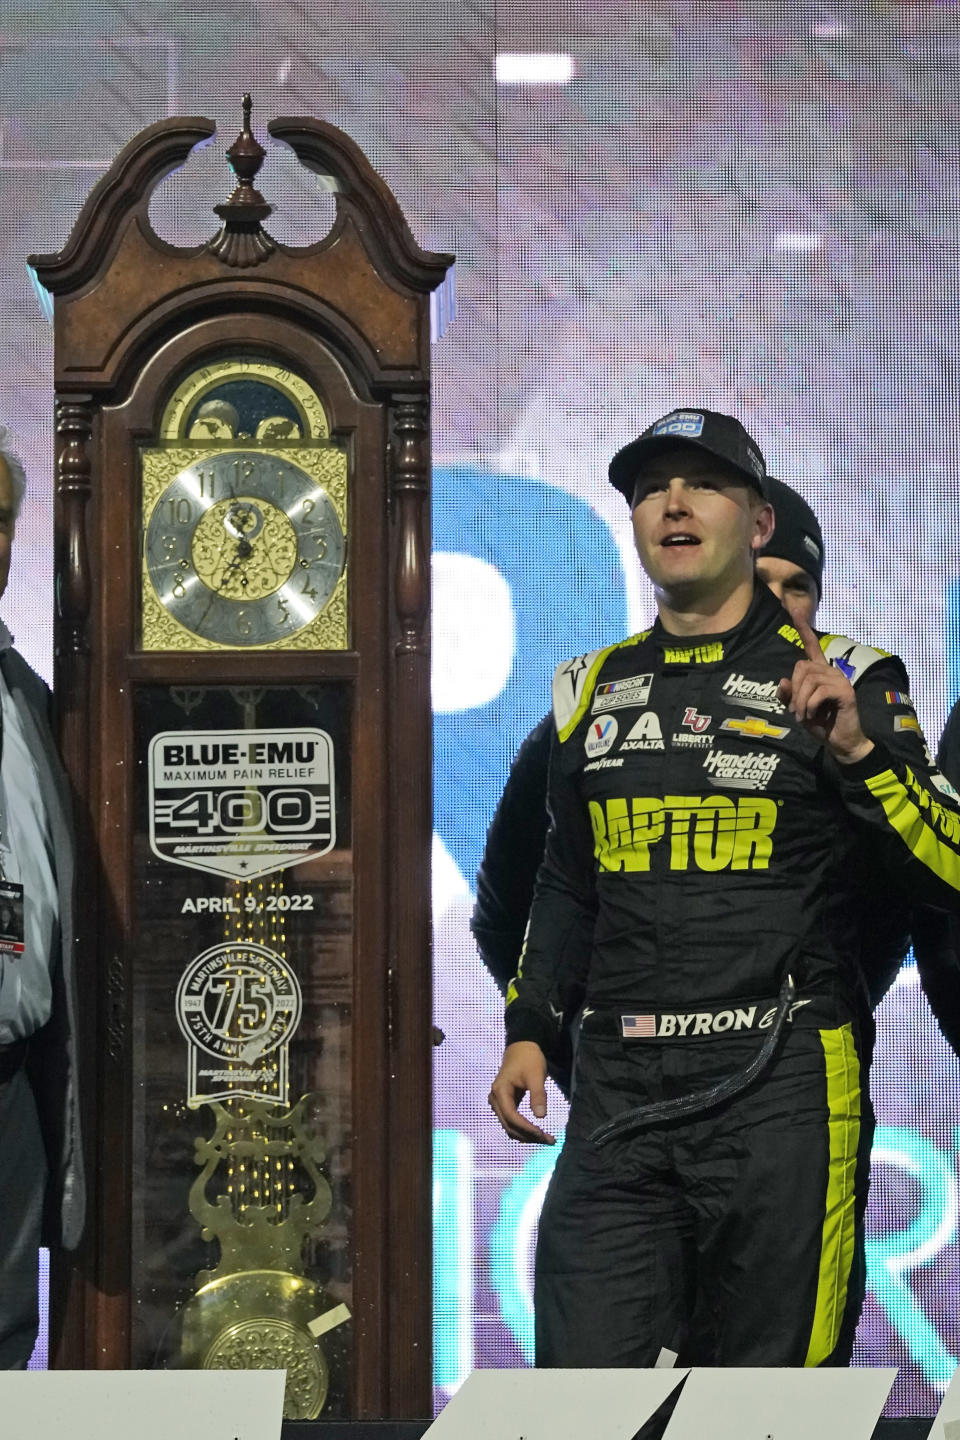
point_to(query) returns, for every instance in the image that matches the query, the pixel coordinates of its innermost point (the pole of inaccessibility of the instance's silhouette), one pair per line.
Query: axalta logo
(744, 770)
(615, 694)
(702, 832)
(600, 735)
(755, 729)
(694, 654)
(754, 694)
(645, 734)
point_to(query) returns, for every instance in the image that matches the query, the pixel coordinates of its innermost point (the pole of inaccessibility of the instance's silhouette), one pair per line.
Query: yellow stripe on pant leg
(839, 1222)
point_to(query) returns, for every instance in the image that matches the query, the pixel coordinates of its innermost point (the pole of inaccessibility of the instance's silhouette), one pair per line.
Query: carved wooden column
(411, 762)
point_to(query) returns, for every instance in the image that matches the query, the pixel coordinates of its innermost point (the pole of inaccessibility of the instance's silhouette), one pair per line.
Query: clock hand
(244, 551)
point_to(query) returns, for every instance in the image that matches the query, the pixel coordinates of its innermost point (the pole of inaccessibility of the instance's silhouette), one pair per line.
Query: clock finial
(242, 240)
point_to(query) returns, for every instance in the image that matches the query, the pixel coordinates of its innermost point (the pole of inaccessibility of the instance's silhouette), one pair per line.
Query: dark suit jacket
(52, 1063)
(936, 934)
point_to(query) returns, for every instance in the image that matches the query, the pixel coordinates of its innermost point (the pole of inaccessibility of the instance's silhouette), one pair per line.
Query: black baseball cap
(797, 536)
(719, 435)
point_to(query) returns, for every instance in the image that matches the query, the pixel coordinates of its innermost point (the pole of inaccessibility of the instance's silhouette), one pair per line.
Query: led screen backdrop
(748, 206)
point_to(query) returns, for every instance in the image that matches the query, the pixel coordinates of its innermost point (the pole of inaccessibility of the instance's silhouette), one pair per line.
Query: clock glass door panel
(242, 1009)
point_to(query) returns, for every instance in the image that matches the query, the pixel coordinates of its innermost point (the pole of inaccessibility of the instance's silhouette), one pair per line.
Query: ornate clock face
(243, 548)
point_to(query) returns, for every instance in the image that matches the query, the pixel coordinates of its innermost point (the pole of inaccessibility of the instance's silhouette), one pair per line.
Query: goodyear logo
(694, 654)
(700, 832)
(755, 728)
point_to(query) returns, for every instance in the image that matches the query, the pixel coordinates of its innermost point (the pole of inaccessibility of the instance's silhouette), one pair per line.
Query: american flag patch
(898, 697)
(638, 1027)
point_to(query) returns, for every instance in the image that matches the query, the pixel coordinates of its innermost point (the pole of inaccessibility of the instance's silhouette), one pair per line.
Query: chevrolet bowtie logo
(755, 728)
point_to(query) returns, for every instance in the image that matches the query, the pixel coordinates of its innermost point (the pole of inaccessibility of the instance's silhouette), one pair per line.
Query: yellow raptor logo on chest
(708, 833)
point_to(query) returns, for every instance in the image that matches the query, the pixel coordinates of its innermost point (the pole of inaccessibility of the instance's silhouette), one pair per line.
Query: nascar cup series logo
(616, 694)
(238, 1005)
(601, 734)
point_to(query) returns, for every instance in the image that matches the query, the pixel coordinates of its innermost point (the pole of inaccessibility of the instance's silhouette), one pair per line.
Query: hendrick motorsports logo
(753, 694)
(241, 802)
(238, 1005)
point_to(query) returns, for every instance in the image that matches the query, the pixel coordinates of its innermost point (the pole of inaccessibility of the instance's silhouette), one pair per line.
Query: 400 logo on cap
(688, 423)
(238, 1005)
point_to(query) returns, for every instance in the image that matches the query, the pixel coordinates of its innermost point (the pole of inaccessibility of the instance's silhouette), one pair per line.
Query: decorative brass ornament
(256, 1309)
(272, 1344)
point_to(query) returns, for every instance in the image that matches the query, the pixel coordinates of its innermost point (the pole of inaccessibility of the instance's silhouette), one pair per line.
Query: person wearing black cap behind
(728, 792)
(791, 562)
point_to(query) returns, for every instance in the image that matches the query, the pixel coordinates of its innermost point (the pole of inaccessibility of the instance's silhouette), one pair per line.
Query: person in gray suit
(41, 1171)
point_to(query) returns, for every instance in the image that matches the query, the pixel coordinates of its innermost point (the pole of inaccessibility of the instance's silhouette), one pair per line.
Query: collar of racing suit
(764, 609)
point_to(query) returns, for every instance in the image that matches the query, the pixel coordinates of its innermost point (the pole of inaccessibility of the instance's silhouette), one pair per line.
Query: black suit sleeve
(549, 986)
(910, 823)
(948, 755)
(511, 858)
(936, 934)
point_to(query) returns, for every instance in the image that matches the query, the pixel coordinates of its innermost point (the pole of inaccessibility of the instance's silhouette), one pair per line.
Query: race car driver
(791, 564)
(728, 794)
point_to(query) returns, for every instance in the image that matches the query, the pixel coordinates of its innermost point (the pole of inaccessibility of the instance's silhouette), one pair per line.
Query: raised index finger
(811, 644)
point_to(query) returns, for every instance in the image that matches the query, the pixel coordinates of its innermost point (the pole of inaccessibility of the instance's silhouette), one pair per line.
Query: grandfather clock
(242, 666)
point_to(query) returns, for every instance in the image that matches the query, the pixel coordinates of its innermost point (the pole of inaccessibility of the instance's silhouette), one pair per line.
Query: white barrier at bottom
(145, 1404)
(765, 1404)
(713, 1404)
(553, 1404)
(946, 1422)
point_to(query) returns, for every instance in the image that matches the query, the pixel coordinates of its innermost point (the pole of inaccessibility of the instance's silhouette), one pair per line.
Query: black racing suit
(702, 847)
